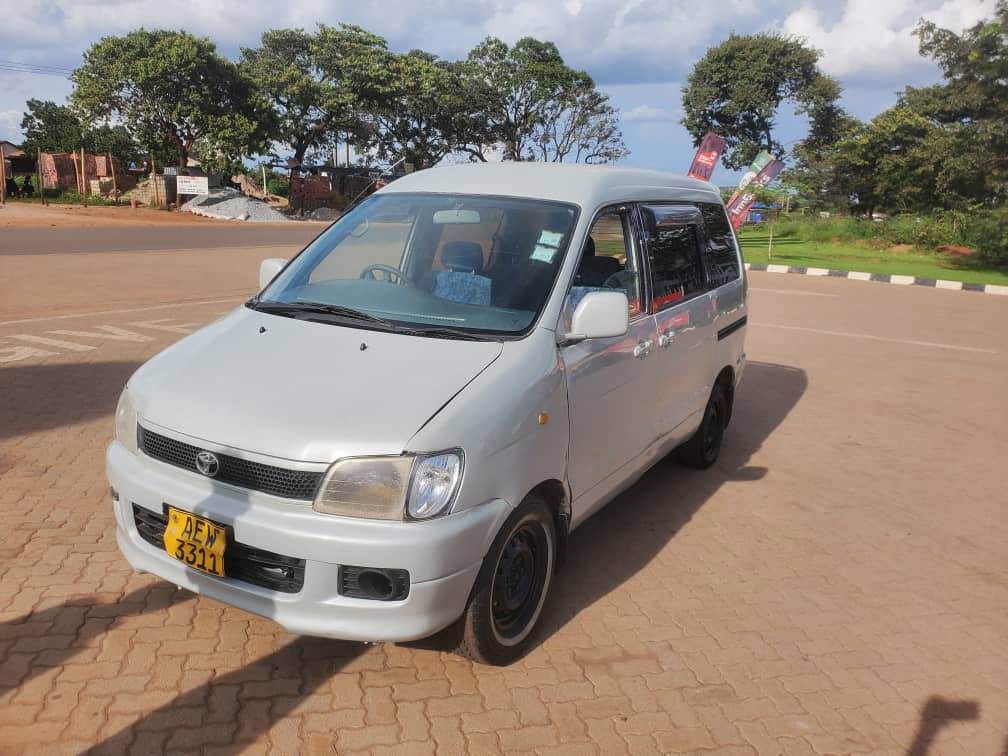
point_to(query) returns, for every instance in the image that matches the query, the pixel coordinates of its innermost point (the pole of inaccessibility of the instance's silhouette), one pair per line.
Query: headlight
(435, 480)
(126, 421)
(390, 488)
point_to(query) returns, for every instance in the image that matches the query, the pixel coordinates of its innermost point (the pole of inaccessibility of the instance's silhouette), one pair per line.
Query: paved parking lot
(837, 584)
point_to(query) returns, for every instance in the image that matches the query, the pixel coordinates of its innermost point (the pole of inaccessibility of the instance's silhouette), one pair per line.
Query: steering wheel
(368, 273)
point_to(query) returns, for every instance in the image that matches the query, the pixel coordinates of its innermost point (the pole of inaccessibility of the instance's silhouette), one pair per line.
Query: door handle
(665, 339)
(642, 349)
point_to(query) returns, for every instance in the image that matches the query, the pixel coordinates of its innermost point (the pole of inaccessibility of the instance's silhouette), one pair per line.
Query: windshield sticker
(550, 239)
(543, 253)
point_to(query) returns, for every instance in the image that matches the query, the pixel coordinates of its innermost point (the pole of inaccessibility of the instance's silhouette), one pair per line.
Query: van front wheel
(512, 586)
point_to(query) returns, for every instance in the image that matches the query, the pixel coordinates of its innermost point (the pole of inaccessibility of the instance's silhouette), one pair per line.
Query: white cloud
(10, 125)
(873, 39)
(647, 113)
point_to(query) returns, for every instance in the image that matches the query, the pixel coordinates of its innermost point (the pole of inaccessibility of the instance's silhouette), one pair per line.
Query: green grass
(841, 255)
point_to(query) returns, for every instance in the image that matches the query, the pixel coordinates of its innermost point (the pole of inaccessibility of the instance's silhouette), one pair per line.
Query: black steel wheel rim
(519, 579)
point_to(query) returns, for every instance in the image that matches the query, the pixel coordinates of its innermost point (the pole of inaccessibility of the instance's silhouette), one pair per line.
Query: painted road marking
(121, 312)
(53, 342)
(106, 333)
(932, 344)
(102, 332)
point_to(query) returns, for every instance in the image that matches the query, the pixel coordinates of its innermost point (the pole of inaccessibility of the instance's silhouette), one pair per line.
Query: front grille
(245, 563)
(290, 484)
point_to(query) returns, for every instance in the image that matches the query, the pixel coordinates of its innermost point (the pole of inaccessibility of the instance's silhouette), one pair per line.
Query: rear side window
(722, 261)
(676, 270)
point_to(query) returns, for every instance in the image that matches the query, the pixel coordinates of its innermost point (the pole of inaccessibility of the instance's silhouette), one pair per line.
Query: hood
(305, 391)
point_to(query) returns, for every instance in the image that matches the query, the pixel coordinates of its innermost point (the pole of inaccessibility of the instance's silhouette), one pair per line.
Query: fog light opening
(376, 584)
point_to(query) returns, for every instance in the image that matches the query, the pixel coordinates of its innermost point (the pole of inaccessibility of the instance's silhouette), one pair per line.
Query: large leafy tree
(308, 80)
(970, 107)
(51, 128)
(56, 128)
(414, 116)
(535, 107)
(173, 91)
(737, 88)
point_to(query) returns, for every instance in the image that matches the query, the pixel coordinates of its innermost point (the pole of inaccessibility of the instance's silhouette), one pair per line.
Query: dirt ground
(835, 584)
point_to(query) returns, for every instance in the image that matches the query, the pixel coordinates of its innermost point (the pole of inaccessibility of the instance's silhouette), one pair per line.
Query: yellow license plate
(195, 541)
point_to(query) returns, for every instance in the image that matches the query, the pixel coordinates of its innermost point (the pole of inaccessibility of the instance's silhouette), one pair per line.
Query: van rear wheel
(511, 587)
(703, 449)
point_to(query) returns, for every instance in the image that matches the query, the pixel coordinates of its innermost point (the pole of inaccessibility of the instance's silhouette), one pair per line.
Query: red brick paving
(837, 584)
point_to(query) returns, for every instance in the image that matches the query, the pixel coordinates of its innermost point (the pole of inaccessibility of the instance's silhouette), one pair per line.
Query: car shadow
(71, 627)
(48, 396)
(620, 540)
(937, 713)
(215, 714)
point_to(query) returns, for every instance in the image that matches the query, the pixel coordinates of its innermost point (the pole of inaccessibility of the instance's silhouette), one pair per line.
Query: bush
(987, 233)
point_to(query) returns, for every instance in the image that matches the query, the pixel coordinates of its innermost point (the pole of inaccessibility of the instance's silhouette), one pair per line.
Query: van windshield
(437, 265)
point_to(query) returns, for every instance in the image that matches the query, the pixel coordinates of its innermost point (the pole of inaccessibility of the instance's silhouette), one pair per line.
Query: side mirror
(599, 315)
(268, 270)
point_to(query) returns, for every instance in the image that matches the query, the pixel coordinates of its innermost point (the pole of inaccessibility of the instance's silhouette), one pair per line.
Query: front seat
(462, 257)
(594, 270)
(461, 281)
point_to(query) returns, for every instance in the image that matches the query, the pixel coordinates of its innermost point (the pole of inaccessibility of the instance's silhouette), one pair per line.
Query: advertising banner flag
(758, 164)
(738, 206)
(707, 156)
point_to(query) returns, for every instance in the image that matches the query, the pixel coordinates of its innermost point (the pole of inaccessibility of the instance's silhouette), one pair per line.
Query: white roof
(589, 186)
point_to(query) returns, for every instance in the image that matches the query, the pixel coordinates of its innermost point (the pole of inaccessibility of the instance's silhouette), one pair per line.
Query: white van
(404, 426)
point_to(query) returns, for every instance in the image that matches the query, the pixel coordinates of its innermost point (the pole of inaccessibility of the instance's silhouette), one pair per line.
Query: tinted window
(676, 270)
(722, 261)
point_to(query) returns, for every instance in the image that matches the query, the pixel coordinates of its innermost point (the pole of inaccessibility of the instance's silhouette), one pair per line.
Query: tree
(172, 90)
(579, 124)
(736, 89)
(56, 128)
(535, 106)
(415, 119)
(50, 127)
(305, 79)
(970, 107)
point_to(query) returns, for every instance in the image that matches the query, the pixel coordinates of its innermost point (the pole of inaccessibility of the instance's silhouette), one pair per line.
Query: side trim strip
(729, 330)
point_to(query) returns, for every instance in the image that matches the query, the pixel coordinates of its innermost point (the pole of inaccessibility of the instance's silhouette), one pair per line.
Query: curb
(881, 278)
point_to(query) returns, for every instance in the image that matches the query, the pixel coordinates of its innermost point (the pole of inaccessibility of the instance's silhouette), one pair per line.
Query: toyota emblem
(207, 463)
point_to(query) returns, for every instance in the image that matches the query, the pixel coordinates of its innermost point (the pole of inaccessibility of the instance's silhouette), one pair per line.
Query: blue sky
(639, 51)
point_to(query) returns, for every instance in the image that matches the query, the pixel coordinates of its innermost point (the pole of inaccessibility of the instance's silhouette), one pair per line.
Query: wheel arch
(554, 492)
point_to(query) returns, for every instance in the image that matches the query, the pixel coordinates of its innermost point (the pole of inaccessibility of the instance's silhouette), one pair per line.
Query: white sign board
(192, 184)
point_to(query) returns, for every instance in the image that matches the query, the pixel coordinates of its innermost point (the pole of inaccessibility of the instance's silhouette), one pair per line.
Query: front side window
(432, 264)
(676, 269)
(607, 261)
(722, 260)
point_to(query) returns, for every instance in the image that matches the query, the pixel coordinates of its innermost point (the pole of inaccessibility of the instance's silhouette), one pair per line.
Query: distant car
(404, 426)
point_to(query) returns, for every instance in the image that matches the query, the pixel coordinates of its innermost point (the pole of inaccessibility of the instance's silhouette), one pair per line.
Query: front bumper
(442, 556)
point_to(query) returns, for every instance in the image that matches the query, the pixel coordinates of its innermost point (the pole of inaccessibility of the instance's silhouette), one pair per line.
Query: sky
(638, 51)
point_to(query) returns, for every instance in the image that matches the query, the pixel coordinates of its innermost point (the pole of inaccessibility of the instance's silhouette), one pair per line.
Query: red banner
(738, 206)
(707, 156)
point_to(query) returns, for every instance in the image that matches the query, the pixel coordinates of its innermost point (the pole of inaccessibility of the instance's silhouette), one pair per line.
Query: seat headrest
(462, 256)
(589, 249)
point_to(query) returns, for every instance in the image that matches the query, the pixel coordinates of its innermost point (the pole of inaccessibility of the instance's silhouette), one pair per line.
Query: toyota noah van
(401, 430)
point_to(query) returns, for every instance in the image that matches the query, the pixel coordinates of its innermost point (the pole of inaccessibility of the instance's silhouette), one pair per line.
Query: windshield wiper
(296, 309)
(442, 333)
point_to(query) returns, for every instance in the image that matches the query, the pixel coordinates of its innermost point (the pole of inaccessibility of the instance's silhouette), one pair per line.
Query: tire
(511, 587)
(703, 449)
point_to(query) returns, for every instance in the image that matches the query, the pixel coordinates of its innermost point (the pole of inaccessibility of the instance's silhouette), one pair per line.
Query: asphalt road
(34, 240)
(835, 584)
